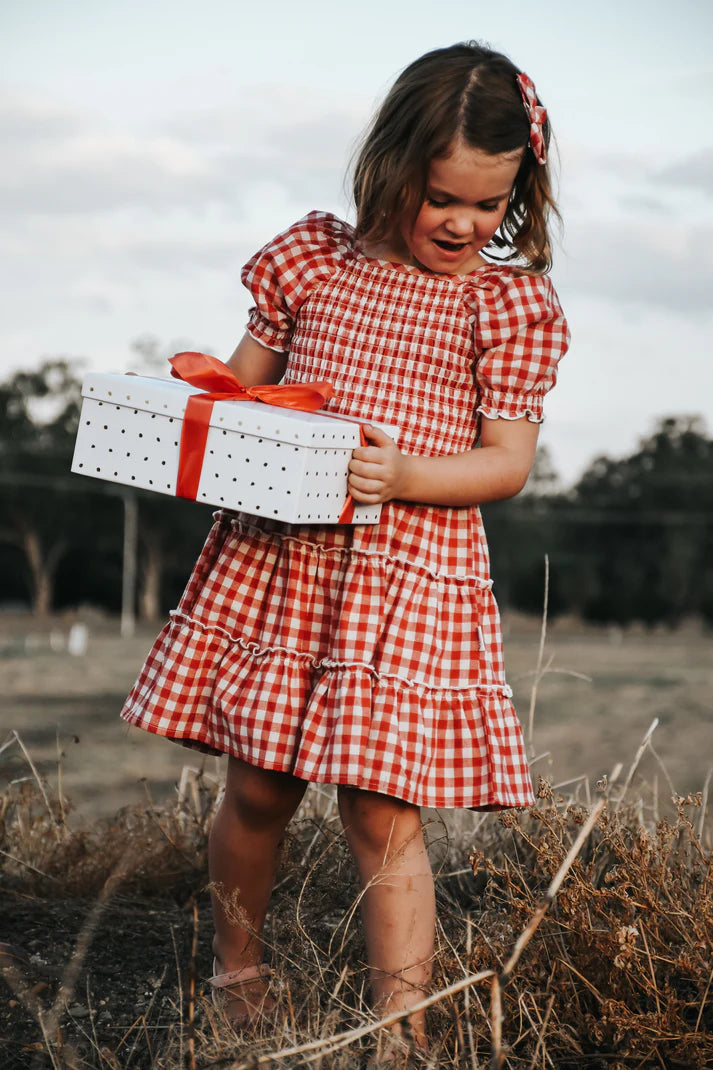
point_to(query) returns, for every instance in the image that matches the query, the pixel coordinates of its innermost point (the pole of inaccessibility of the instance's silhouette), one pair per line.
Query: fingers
(377, 436)
(371, 454)
(365, 486)
(368, 468)
(366, 482)
(373, 468)
(380, 442)
(366, 492)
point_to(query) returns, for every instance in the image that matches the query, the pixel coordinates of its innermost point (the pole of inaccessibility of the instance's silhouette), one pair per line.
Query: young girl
(370, 656)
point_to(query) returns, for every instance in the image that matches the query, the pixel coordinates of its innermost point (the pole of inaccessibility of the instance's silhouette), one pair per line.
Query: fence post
(128, 574)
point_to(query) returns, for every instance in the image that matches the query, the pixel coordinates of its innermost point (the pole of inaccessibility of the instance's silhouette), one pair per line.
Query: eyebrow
(483, 200)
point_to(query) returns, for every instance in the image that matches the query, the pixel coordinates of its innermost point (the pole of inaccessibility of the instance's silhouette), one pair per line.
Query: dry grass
(616, 969)
(575, 935)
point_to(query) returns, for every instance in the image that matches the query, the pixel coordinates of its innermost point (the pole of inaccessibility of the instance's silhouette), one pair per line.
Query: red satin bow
(216, 379)
(536, 114)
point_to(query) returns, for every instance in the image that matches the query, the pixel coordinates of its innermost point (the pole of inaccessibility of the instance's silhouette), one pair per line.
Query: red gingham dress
(366, 655)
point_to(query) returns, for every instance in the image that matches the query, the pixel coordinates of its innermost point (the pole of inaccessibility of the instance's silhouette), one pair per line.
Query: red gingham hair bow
(536, 114)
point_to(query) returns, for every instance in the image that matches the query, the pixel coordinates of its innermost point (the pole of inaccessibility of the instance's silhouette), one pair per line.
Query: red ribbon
(220, 384)
(347, 514)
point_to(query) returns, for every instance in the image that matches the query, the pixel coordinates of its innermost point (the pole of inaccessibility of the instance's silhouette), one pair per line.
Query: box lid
(168, 397)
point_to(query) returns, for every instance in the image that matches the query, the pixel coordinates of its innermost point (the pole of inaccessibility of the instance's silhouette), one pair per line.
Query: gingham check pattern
(366, 655)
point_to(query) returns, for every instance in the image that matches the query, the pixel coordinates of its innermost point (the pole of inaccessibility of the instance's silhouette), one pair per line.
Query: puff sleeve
(520, 335)
(282, 274)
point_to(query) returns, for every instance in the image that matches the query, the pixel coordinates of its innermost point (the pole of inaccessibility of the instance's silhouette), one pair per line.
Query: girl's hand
(377, 472)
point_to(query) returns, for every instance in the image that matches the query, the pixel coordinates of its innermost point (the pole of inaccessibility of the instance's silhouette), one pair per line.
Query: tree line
(631, 541)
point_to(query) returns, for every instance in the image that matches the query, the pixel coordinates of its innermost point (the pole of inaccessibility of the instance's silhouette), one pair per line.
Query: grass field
(596, 701)
(112, 917)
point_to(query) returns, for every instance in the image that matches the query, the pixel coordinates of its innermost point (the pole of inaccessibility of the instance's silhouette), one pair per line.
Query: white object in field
(259, 459)
(78, 640)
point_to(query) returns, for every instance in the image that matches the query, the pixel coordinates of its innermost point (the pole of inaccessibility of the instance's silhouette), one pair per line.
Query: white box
(259, 459)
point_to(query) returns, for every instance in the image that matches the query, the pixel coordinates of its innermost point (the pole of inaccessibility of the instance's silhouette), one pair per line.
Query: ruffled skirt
(342, 656)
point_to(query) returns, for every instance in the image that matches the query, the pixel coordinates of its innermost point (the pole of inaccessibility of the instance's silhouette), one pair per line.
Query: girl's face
(466, 199)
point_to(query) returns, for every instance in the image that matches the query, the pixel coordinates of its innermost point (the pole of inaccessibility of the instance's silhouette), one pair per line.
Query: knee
(377, 823)
(261, 798)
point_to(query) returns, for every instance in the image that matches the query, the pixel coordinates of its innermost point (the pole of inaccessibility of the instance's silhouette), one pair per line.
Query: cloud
(638, 171)
(694, 172)
(59, 161)
(115, 231)
(581, 160)
(635, 234)
(664, 266)
(646, 204)
(28, 119)
(95, 216)
(313, 154)
(182, 255)
(99, 172)
(628, 366)
(302, 142)
(66, 162)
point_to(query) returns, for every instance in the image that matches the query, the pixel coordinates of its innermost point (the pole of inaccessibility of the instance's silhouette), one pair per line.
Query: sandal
(242, 995)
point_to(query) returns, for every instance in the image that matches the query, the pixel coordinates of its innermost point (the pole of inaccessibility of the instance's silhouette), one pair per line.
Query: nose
(459, 223)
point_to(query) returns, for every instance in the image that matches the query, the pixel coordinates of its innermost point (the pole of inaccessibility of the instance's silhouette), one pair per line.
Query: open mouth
(449, 246)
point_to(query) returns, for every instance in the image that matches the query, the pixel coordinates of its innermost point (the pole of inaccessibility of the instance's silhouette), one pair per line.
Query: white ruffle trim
(329, 663)
(495, 414)
(378, 557)
(266, 345)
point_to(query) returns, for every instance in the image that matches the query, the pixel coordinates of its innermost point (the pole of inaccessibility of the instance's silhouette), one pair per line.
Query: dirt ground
(600, 694)
(128, 976)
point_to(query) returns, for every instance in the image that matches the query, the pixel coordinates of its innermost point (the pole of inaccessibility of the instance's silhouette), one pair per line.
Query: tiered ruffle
(338, 666)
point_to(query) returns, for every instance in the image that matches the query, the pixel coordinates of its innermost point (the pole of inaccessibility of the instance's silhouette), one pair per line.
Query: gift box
(257, 458)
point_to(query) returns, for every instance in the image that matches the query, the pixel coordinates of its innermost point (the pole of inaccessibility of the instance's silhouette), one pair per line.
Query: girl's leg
(243, 852)
(398, 905)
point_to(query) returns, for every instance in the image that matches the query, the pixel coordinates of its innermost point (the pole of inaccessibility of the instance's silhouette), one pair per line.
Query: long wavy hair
(465, 93)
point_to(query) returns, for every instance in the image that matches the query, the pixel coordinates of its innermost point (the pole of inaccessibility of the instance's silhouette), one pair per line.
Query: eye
(489, 207)
(437, 203)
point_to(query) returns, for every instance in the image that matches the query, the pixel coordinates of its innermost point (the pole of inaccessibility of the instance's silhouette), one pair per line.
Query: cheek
(488, 224)
(411, 233)
(426, 221)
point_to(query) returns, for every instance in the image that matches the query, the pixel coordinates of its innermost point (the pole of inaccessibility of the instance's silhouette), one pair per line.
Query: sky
(150, 147)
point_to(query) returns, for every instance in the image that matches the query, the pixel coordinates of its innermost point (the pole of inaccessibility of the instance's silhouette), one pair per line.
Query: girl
(370, 656)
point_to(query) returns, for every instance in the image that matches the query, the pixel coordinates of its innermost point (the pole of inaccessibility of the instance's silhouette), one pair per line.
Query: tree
(38, 414)
(66, 530)
(171, 533)
(521, 531)
(645, 537)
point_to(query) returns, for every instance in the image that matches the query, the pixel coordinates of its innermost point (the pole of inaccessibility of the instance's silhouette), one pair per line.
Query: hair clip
(536, 114)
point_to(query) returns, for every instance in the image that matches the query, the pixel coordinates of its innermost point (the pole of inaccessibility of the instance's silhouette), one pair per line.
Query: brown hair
(466, 92)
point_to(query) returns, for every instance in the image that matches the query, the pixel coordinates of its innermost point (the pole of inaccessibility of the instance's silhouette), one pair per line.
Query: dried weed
(554, 950)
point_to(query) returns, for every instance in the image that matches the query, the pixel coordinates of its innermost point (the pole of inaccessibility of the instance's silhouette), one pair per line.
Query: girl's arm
(255, 364)
(496, 470)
